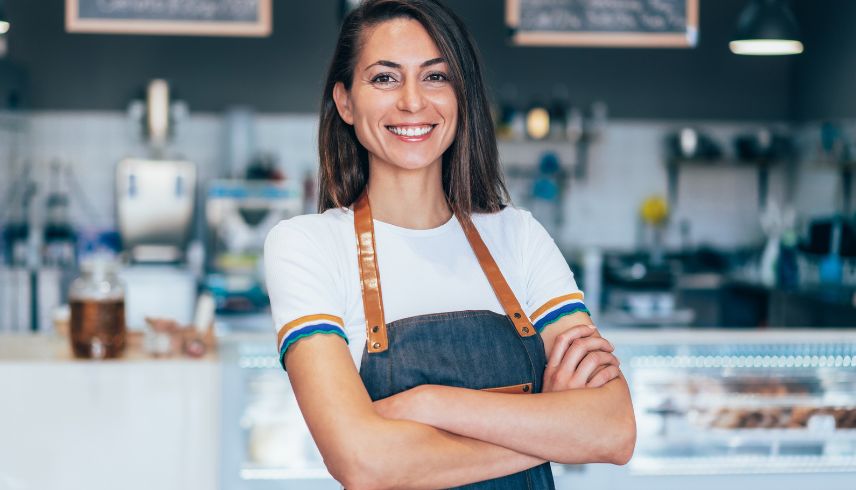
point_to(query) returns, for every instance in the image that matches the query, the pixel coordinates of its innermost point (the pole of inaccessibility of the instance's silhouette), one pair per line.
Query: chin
(411, 162)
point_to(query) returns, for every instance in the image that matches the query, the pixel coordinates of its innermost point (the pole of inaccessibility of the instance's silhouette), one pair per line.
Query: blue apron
(477, 349)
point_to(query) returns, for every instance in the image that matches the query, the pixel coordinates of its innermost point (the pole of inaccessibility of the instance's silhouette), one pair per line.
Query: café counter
(715, 408)
(131, 423)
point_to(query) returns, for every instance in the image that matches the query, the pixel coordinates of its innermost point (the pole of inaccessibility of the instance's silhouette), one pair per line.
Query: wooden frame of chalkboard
(685, 37)
(95, 16)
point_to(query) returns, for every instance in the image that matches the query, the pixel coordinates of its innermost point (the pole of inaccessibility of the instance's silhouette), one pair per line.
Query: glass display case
(731, 402)
(265, 441)
(714, 409)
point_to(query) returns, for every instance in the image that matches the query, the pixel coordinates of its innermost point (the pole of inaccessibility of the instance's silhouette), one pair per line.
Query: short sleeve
(551, 291)
(305, 295)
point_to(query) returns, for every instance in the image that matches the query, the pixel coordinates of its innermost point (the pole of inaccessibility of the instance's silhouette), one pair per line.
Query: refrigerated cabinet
(714, 409)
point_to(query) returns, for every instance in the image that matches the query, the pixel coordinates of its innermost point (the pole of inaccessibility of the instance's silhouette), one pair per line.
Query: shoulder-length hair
(472, 180)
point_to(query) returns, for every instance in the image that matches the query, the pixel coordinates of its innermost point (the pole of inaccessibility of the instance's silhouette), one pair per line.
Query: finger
(579, 349)
(604, 376)
(590, 364)
(564, 376)
(564, 339)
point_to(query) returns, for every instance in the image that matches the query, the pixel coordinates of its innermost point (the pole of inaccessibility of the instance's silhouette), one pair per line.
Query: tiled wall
(625, 166)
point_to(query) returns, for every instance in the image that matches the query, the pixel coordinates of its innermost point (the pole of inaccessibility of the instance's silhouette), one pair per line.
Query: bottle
(97, 301)
(787, 269)
(60, 240)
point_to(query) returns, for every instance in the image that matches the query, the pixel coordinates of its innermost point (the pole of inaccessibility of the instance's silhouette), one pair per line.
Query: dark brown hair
(472, 181)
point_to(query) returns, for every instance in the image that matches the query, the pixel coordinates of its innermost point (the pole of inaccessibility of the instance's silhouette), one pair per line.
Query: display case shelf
(727, 465)
(705, 406)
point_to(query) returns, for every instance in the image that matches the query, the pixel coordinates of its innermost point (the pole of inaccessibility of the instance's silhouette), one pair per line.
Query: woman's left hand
(580, 358)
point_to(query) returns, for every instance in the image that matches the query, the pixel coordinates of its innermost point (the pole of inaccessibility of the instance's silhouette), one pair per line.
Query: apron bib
(477, 349)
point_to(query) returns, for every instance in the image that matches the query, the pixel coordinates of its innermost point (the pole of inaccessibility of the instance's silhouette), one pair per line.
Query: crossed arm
(435, 436)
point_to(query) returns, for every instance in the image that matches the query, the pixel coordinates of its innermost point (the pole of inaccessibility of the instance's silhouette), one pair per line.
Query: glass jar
(97, 301)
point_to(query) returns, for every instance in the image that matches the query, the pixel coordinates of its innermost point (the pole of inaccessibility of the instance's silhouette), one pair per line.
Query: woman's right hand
(580, 358)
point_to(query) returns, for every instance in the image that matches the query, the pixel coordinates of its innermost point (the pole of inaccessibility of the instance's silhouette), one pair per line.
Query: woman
(443, 377)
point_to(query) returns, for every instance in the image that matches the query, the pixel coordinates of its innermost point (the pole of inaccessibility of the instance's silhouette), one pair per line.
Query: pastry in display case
(746, 402)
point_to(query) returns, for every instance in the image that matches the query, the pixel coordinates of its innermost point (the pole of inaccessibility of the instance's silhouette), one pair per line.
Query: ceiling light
(766, 27)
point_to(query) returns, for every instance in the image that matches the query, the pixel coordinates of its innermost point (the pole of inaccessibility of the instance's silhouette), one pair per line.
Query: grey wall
(825, 78)
(285, 72)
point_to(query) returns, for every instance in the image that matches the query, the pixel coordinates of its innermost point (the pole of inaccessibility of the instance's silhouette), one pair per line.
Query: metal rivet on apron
(375, 329)
(376, 345)
(525, 329)
(526, 388)
(517, 315)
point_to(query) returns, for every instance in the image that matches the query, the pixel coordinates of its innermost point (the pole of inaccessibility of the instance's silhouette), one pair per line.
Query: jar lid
(99, 264)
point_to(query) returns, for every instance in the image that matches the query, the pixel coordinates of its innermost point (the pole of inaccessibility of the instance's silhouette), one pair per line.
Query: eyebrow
(395, 65)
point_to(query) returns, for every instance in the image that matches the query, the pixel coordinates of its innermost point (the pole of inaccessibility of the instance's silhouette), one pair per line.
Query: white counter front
(133, 423)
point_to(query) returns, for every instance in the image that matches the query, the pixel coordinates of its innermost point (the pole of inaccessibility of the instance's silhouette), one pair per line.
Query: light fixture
(4, 21)
(766, 27)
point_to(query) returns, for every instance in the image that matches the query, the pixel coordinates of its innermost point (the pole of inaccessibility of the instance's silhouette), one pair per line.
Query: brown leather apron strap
(376, 338)
(497, 281)
(369, 275)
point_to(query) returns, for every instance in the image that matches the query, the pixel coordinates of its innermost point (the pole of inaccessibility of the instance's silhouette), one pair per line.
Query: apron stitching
(528, 354)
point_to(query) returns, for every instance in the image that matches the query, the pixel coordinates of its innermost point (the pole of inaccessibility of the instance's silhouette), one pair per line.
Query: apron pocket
(520, 389)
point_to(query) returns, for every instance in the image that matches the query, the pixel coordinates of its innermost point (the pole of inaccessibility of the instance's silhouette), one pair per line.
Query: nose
(411, 97)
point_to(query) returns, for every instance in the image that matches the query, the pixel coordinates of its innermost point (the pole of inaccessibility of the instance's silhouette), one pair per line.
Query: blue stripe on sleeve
(306, 332)
(554, 315)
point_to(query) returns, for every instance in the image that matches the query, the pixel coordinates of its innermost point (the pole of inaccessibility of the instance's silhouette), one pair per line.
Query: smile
(411, 131)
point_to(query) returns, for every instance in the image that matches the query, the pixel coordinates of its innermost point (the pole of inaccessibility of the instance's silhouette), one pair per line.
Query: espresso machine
(239, 214)
(155, 198)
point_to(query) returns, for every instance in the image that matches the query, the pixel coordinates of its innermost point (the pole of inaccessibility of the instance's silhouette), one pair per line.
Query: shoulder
(508, 218)
(310, 230)
(509, 225)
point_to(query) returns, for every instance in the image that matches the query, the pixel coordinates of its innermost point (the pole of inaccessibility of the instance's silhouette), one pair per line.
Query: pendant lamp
(766, 27)
(4, 21)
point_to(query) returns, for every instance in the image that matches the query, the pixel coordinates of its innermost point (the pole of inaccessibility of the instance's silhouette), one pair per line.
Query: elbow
(365, 481)
(360, 471)
(357, 475)
(624, 441)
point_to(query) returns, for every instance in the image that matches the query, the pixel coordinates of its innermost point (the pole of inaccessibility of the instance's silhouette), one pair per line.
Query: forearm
(573, 426)
(403, 454)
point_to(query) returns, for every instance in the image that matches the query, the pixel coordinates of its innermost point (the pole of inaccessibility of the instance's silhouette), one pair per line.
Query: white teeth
(411, 131)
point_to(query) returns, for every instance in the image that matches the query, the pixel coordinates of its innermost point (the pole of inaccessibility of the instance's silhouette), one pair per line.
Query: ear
(343, 102)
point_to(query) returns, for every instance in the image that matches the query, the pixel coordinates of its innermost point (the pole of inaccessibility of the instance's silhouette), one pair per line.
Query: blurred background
(693, 160)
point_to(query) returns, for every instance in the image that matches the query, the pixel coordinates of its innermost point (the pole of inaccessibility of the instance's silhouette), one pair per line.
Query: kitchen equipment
(155, 207)
(239, 214)
(155, 194)
(687, 145)
(158, 290)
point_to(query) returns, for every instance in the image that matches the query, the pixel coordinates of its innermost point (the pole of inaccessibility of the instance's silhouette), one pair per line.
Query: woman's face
(401, 103)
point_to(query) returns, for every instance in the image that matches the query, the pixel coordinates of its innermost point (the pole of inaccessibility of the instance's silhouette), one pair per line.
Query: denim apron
(477, 349)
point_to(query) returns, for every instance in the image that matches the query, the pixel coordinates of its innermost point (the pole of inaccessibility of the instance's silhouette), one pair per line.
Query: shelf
(744, 464)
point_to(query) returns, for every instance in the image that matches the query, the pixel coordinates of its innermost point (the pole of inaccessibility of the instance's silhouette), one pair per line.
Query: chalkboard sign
(190, 17)
(624, 23)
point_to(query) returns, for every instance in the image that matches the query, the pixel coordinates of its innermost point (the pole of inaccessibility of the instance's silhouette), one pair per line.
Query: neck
(409, 198)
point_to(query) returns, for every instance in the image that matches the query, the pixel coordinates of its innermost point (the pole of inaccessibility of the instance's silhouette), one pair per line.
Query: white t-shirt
(313, 277)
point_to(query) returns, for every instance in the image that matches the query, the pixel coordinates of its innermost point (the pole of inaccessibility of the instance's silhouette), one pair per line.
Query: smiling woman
(382, 47)
(466, 339)
(405, 99)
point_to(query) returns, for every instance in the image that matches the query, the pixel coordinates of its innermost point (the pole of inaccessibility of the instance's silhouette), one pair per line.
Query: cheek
(368, 111)
(448, 107)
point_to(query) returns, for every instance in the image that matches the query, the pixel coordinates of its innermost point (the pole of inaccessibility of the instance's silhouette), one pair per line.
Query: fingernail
(592, 327)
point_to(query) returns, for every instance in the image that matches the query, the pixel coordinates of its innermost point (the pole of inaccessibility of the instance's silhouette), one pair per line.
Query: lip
(412, 139)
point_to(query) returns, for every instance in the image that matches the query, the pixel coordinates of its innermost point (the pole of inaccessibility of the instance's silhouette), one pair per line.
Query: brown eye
(437, 77)
(383, 79)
